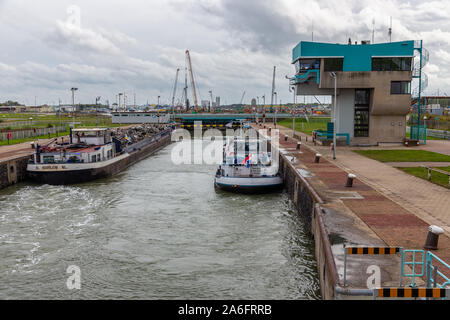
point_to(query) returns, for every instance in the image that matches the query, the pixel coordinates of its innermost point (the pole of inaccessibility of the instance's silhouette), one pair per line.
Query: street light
(73, 106)
(334, 76)
(120, 95)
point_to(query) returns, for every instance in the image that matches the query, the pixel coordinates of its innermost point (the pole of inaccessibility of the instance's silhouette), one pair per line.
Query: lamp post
(119, 106)
(73, 106)
(334, 76)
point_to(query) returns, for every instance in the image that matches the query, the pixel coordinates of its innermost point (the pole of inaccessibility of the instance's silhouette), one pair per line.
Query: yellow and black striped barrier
(366, 251)
(411, 293)
(372, 250)
(205, 126)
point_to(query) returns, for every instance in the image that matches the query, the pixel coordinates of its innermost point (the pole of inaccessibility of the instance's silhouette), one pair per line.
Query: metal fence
(22, 134)
(16, 124)
(438, 134)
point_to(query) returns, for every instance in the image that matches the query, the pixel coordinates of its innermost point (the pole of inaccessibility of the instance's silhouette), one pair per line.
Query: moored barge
(91, 154)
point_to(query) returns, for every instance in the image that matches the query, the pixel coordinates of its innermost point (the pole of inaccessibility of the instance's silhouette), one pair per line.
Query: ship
(94, 153)
(247, 168)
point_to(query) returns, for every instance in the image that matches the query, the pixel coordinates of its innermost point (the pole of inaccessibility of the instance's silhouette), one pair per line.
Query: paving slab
(387, 196)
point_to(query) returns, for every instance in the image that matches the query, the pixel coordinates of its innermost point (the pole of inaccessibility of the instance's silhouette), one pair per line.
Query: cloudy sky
(108, 46)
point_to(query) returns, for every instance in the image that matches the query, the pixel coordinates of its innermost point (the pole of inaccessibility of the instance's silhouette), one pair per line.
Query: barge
(91, 154)
(247, 171)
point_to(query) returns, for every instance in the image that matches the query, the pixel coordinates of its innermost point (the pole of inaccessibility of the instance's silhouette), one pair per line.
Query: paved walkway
(21, 149)
(440, 146)
(398, 207)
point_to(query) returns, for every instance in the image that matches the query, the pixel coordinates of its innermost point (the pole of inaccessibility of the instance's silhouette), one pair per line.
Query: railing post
(401, 266)
(345, 266)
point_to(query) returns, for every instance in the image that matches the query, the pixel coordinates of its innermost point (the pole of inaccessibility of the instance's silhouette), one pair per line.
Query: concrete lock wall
(308, 202)
(13, 171)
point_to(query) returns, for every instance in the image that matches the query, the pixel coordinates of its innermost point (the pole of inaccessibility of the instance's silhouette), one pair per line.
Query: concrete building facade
(373, 83)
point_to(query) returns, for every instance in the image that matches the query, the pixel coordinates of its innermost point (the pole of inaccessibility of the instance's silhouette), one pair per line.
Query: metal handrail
(414, 263)
(432, 280)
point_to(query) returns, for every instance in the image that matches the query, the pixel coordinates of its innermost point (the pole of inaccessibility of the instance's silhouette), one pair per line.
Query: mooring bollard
(285, 137)
(299, 144)
(433, 237)
(317, 159)
(350, 179)
(306, 139)
(270, 129)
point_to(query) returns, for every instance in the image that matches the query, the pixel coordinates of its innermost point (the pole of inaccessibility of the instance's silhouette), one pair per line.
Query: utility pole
(334, 75)
(264, 108)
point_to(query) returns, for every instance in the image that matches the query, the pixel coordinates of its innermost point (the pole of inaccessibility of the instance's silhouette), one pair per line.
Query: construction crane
(242, 99)
(175, 91)
(191, 73)
(185, 97)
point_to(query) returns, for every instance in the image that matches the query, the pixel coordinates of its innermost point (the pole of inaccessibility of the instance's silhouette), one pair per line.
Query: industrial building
(372, 83)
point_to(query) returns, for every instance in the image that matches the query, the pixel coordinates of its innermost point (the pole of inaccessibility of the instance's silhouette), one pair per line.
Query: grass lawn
(306, 126)
(404, 155)
(436, 177)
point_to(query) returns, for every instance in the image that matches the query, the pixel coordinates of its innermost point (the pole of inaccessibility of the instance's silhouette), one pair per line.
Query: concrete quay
(368, 214)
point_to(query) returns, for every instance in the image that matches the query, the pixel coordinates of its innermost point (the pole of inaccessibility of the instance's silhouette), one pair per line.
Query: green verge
(404, 155)
(45, 136)
(436, 177)
(304, 126)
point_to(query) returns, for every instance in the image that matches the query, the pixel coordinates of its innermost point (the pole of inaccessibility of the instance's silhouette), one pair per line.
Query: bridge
(224, 118)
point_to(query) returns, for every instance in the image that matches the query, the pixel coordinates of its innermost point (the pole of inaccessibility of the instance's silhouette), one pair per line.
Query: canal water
(155, 231)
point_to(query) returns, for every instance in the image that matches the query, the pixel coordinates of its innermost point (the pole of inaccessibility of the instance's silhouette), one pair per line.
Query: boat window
(94, 158)
(98, 157)
(49, 159)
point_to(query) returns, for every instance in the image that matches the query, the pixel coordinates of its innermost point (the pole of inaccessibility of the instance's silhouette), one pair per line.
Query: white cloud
(234, 44)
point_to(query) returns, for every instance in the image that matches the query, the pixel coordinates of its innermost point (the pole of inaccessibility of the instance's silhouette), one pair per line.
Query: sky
(104, 47)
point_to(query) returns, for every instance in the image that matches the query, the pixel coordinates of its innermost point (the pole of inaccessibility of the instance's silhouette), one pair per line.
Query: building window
(333, 64)
(304, 65)
(391, 64)
(362, 103)
(400, 87)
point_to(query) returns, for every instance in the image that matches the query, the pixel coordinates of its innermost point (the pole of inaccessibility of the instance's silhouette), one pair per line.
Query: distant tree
(10, 103)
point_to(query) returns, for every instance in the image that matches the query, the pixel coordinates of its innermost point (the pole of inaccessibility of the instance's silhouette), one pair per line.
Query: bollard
(285, 137)
(314, 140)
(433, 237)
(350, 179)
(299, 144)
(270, 129)
(300, 138)
(317, 159)
(306, 139)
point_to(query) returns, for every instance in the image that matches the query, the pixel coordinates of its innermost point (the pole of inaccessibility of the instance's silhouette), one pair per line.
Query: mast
(191, 73)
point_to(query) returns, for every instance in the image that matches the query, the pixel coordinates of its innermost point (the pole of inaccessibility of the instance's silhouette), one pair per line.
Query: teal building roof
(357, 57)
